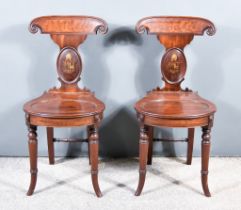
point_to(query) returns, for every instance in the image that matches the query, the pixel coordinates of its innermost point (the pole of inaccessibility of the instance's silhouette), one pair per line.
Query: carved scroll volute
(174, 33)
(68, 32)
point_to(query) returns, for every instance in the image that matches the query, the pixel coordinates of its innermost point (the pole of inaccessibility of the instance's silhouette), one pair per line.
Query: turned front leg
(205, 159)
(94, 151)
(143, 152)
(33, 144)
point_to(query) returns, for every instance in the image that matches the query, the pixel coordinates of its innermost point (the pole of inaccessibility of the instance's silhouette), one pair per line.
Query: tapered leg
(143, 152)
(32, 143)
(190, 145)
(50, 137)
(94, 150)
(205, 159)
(150, 147)
(88, 136)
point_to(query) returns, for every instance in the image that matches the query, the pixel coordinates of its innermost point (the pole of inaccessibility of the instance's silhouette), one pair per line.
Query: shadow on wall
(119, 132)
(208, 77)
(41, 74)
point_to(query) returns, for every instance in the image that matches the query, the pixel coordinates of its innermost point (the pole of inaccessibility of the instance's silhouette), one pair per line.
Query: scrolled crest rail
(177, 24)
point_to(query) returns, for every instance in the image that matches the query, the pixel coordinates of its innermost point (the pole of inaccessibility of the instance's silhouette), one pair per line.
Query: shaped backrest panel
(175, 25)
(174, 33)
(68, 32)
(68, 25)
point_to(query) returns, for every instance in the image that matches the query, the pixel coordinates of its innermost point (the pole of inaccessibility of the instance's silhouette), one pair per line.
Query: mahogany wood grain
(175, 25)
(175, 123)
(70, 25)
(172, 106)
(88, 136)
(205, 158)
(143, 145)
(150, 147)
(191, 132)
(94, 150)
(50, 138)
(62, 122)
(61, 103)
(33, 144)
(68, 105)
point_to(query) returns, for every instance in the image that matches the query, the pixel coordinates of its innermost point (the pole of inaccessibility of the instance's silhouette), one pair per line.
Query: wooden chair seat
(174, 105)
(56, 104)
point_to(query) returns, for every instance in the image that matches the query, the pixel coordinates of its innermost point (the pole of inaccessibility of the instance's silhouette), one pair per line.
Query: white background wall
(120, 67)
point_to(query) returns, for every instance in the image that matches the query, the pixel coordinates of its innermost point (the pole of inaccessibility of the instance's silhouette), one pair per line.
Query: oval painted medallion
(69, 65)
(173, 66)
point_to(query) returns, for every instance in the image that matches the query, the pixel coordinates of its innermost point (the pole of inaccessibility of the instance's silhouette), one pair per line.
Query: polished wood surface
(68, 105)
(57, 103)
(170, 105)
(150, 148)
(68, 25)
(174, 105)
(191, 132)
(50, 138)
(175, 25)
(143, 150)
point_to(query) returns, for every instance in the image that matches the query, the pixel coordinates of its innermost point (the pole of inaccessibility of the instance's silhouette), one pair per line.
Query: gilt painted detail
(69, 65)
(173, 66)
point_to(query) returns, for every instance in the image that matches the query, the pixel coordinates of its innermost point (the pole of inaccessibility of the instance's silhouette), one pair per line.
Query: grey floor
(170, 184)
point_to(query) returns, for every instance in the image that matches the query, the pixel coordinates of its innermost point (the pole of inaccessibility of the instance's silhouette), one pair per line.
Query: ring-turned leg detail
(205, 159)
(143, 152)
(190, 145)
(94, 151)
(50, 137)
(33, 147)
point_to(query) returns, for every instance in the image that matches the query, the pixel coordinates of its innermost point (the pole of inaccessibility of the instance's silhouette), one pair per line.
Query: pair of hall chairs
(169, 106)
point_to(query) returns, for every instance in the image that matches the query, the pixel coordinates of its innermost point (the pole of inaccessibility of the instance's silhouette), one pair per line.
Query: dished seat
(57, 104)
(177, 105)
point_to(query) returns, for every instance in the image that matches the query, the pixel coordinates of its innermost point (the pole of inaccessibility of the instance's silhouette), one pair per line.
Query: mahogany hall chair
(69, 105)
(172, 106)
